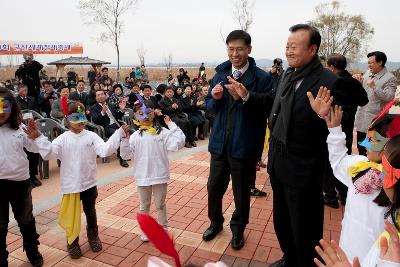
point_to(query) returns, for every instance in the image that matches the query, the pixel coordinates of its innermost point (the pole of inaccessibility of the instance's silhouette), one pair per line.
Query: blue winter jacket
(248, 123)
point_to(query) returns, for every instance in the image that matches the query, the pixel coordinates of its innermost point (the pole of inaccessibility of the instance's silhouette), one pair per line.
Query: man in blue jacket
(237, 138)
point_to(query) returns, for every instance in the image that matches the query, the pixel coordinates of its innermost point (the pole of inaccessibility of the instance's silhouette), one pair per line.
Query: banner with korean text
(39, 47)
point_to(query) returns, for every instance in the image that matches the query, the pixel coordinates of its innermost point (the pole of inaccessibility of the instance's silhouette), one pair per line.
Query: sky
(189, 30)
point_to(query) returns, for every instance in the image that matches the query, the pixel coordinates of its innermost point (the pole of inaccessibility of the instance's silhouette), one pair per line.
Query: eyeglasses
(238, 50)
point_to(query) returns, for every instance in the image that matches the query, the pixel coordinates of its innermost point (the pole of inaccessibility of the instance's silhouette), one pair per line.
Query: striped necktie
(236, 74)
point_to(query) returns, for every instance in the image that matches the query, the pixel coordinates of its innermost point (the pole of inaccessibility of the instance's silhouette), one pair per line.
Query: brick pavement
(187, 212)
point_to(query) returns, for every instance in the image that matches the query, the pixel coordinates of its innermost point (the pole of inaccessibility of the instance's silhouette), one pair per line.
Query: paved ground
(187, 211)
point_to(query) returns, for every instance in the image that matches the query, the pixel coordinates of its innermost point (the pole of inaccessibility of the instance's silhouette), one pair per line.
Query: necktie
(236, 74)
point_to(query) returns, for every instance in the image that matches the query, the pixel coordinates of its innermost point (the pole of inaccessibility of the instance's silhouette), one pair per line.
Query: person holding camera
(28, 74)
(47, 98)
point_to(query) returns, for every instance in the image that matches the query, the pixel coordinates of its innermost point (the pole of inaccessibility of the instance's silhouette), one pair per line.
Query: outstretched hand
(31, 130)
(334, 118)
(235, 88)
(322, 103)
(333, 255)
(390, 250)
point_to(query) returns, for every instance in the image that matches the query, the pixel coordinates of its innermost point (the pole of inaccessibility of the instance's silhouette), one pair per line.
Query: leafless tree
(109, 15)
(341, 33)
(141, 52)
(243, 13)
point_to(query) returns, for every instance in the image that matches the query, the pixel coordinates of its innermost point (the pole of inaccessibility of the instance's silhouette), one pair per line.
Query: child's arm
(338, 157)
(36, 142)
(174, 138)
(105, 149)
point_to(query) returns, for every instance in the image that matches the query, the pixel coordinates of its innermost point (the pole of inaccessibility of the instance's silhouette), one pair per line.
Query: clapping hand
(390, 250)
(235, 88)
(322, 103)
(217, 92)
(174, 106)
(122, 104)
(167, 120)
(31, 130)
(359, 77)
(334, 118)
(333, 256)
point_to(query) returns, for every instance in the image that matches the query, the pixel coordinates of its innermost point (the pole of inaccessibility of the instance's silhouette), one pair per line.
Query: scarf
(150, 129)
(70, 216)
(358, 167)
(282, 108)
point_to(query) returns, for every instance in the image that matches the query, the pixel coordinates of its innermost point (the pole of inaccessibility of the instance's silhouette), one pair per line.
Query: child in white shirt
(148, 147)
(15, 188)
(77, 150)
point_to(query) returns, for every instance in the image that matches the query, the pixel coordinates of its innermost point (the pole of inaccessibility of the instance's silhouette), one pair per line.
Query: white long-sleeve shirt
(13, 159)
(150, 154)
(363, 219)
(78, 153)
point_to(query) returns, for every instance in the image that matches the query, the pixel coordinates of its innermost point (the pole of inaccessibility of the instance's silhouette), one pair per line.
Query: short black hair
(81, 81)
(21, 85)
(379, 57)
(115, 86)
(143, 65)
(238, 35)
(161, 88)
(15, 118)
(104, 68)
(47, 82)
(144, 86)
(338, 61)
(315, 36)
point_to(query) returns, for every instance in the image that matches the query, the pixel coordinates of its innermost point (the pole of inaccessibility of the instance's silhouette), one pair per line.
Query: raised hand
(390, 250)
(31, 130)
(334, 118)
(333, 256)
(359, 77)
(217, 92)
(322, 103)
(236, 88)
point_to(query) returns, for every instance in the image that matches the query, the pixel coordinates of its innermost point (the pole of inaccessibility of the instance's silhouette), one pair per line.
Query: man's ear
(250, 48)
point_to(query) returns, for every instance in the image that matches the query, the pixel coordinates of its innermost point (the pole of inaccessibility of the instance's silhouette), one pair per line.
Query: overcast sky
(189, 30)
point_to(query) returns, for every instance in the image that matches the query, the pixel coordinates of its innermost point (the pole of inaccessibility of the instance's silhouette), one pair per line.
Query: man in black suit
(25, 101)
(28, 102)
(298, 151)
(79, 95)
(107, 117)
(356, 96)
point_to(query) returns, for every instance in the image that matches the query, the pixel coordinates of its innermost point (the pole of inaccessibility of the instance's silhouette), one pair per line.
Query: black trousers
(186, 127)
(110, 130)
(33, 159)
(333, 186)
(298, 203)
(240, 170)
(88, 198)
(18, 195)
(360, 137)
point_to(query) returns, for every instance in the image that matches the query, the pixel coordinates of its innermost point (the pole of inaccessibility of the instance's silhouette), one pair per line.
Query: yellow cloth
(266, 140)
(358, 167)
(150, 129)
(70, 216)
(386, 234)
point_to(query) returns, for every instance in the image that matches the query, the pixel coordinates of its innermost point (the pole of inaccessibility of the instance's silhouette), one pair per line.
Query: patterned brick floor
(187, 211)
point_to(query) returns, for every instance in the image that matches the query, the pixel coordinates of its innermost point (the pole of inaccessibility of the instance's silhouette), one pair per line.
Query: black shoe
(193, 144)
(34, 256)
(212, 232)
(237, 241)
(201, 137)
(188, 145)
(123, 163)
(35, 181)
(333, 203)
(255, 192)
(195, 138)
(278, 263)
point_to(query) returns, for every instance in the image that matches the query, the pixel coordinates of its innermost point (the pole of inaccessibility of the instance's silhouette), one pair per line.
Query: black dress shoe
(188, 145)
(35, 181)
(193, 144)
(212, 232)
(333, 203)
(237, 241)
(278, 263)
(124, 164)
(201, 137)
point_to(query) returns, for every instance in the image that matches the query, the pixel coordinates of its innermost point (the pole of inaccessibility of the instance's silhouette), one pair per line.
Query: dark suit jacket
(30, 103)
(302, 160)
(82, 98)
(151, 102)
(104, 120)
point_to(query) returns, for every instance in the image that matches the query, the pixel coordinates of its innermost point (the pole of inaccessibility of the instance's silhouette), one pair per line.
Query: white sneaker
(144, 238)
